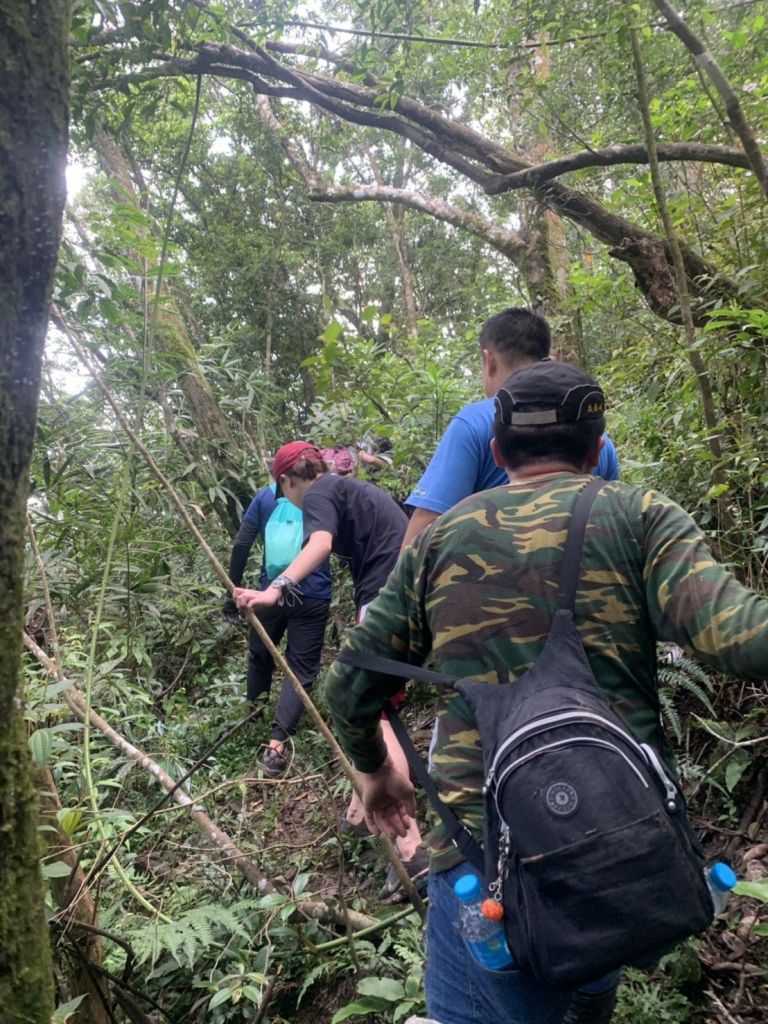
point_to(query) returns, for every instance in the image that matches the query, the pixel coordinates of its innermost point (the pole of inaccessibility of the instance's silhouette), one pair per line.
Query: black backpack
(587, 843)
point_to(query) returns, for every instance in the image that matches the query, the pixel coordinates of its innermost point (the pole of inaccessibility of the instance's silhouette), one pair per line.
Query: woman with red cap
(364, 525)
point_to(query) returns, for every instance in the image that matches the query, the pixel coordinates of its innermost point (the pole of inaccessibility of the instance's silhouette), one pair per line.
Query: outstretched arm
(311, 556)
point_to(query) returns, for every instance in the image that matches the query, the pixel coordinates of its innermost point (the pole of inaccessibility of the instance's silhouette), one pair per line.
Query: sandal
(274, 764)
(357, 830)
(417, 868)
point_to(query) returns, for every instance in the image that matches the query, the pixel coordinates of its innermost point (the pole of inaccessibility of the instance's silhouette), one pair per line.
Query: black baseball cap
(548, 392)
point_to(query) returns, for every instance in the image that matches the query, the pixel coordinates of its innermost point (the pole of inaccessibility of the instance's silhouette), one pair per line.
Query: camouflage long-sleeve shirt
(475, 595)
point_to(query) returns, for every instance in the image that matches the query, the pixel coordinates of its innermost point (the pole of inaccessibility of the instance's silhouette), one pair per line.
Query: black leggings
(305, 626)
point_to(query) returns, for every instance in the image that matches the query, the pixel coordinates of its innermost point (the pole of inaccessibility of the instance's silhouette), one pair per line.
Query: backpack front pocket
(584, 896)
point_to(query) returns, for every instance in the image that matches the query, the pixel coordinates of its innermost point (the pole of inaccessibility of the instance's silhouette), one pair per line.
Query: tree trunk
(34, 86)
(545, 266)
(75, 903)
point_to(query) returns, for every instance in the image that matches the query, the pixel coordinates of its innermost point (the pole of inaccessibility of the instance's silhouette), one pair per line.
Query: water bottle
(484, 938)
(720, 880)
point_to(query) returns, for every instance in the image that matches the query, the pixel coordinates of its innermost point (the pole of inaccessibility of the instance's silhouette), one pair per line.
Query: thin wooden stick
(253, 621)
(76, 702)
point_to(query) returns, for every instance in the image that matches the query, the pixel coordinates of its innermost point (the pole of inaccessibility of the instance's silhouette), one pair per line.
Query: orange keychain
(492, 910)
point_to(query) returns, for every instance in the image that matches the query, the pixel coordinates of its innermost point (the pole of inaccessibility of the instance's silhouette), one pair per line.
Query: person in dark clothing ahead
(302, 620)
(364, 525)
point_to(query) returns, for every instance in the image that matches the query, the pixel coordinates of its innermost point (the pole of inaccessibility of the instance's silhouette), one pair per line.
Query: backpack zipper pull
(670, 789)
(495, 888)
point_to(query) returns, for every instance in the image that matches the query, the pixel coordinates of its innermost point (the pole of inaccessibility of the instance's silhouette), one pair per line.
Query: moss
(33, 132)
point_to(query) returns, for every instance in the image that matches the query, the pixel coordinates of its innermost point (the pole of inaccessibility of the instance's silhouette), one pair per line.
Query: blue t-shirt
(318, 583)
(463, 463)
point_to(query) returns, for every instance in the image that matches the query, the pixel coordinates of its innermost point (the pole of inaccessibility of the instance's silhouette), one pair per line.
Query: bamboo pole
(252, 620)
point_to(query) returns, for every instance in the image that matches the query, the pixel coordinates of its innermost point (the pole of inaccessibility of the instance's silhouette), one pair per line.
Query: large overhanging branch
(486, 163)
(613, 156)
(507, 242)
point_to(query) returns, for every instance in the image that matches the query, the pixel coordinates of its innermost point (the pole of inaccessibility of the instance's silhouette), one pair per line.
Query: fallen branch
(314, 909)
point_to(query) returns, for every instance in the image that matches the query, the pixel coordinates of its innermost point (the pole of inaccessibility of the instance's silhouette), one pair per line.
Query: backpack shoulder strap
(461, 838)
(571, 560)
(390, 667)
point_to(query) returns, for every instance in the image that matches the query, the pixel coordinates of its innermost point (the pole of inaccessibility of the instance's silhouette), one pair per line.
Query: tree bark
(34, 85)
(75, 903)
(486, 163)
(395, 224)
(545, 268)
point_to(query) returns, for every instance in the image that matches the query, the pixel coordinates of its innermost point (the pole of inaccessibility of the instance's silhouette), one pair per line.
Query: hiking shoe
(357, 830)
(274, 764)
(417, 868)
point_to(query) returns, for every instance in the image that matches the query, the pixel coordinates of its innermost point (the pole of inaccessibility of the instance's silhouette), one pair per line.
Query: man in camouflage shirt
(475, 594)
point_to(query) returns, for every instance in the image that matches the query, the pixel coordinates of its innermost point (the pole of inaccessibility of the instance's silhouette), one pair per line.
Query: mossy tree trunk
(33, 142)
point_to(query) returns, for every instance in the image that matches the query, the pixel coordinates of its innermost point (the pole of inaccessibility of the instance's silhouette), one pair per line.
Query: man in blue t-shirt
(463, 463)
(303, 619)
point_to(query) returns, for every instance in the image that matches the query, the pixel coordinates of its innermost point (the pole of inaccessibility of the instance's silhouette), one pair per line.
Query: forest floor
(290, 828)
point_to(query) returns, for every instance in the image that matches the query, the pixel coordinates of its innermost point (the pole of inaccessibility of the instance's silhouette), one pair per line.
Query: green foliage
(384, 996)
(678, 679)
(297, 323)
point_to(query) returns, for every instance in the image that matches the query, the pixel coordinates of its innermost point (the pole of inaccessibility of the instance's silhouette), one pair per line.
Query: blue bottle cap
(722, 876)
(467, 888)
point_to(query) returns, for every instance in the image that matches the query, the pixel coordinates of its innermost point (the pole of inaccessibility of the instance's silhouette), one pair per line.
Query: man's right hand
(388, 799)
(229, 611)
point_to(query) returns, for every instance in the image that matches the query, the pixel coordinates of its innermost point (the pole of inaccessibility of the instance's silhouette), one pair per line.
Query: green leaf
(332, 331)
(734, 772)
(222, 996)
(412, 984)
(717, 489)
(300, 883)
(56, 869)
(382, 988)
(40, 744)
(64, 1011)
(359, 1009)
(69, 819)
(368, 314)
(757, 890)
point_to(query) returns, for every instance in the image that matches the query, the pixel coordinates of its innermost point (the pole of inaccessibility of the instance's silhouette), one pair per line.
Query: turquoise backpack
(283, 536)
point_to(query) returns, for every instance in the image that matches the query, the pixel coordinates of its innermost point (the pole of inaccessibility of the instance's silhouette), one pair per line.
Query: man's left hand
(250, 600)
(388, 799)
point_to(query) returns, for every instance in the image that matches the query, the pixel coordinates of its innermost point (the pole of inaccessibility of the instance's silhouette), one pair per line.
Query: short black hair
(571, 443)
(517, 333)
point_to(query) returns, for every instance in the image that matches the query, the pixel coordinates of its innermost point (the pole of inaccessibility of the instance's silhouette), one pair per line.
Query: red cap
(287, 456)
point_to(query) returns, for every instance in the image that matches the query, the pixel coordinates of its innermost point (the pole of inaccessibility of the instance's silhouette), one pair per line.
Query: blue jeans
(459, 991)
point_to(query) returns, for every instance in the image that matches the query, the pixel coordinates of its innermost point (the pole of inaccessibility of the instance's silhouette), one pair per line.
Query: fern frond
(670, 714)
(321, 971)
(692, 686)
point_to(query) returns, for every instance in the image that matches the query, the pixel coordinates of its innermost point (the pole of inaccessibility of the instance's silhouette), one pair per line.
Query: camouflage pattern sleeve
(696, 602)
(393, 627)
